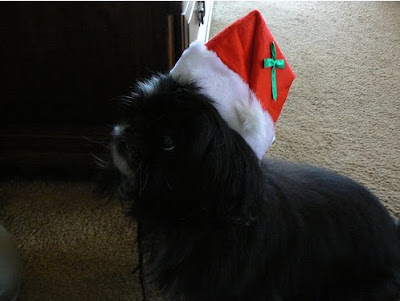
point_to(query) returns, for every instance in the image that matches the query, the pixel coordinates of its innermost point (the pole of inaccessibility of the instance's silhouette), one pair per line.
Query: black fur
(219, 225)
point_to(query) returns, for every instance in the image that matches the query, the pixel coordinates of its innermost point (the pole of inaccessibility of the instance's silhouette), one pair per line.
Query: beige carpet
(343, 112)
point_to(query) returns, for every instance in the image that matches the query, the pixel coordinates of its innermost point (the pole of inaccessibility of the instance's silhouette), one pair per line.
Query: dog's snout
(119, 149)
(119, 130)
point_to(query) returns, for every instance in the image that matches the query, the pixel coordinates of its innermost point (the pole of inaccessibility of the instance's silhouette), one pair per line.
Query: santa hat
(246, 75)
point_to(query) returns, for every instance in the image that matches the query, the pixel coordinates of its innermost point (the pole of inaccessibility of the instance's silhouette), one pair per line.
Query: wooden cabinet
(62, 64)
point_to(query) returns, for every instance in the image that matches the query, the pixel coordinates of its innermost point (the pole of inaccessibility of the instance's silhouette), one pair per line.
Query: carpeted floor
(343, 112)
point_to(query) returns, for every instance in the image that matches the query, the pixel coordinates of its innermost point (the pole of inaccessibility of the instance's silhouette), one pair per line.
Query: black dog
(218, 224)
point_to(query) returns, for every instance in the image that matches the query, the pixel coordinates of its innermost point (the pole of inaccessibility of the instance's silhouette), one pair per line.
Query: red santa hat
(246, 75)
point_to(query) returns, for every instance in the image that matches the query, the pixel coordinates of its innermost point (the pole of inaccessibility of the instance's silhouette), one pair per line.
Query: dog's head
(175, 150)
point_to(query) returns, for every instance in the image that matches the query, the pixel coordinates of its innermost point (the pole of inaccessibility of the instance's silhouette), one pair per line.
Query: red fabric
(243, 46)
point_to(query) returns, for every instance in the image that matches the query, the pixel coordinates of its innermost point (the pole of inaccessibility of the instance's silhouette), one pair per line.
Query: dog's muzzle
(119, 151)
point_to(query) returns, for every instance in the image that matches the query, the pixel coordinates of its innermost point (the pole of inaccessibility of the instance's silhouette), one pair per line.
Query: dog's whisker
(140, 165)
(169, 185)
(91, 140)
(147, 177)
(140, 182)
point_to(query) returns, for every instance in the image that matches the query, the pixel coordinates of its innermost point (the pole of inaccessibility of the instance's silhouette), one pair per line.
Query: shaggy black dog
(218, 224)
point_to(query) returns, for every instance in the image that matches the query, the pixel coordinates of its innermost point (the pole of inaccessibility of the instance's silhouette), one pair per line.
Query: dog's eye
(168, 143)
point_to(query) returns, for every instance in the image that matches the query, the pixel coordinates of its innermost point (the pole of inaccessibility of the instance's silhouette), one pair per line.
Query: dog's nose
(118, 130)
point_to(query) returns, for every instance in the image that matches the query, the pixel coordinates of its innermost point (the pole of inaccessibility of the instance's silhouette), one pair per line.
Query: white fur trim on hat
(233, 98)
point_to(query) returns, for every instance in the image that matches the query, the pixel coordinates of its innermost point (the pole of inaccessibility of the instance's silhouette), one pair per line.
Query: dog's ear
(229, 170)
(206, 135)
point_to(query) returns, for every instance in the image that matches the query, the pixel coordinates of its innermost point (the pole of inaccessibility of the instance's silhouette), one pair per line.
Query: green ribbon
(274, 63)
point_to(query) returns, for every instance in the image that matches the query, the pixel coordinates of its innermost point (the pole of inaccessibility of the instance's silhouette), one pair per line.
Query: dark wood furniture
(63, 63)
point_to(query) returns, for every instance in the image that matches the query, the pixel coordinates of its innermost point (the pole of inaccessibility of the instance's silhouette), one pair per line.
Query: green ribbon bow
(274, 63)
